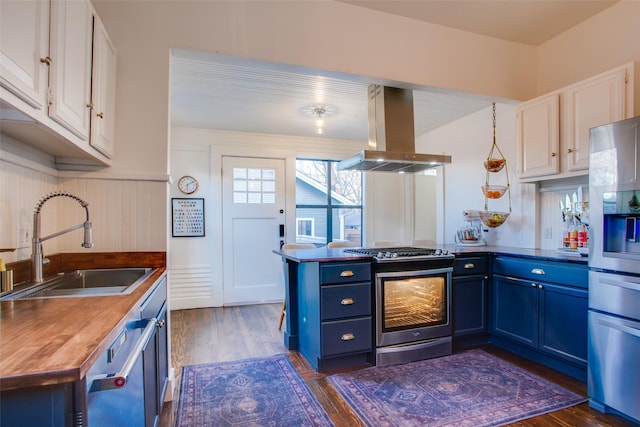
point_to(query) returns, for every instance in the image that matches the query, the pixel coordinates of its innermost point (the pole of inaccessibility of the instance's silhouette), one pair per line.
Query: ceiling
(212, 91)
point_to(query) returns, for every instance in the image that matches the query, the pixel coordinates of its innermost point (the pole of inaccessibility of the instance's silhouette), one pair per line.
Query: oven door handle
(119, 380)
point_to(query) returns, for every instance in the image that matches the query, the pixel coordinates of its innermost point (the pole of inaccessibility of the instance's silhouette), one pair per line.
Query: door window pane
(253, 185)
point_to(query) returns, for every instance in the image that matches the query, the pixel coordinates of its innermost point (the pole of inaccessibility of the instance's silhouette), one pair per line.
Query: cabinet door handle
(554, 154)
(540, 287)
(100, 115)
(538, 271)
(533, 285)
(569, 150)
(46, 60)
(348, 337)
(469, 265)
(347, 301)
(346, 273)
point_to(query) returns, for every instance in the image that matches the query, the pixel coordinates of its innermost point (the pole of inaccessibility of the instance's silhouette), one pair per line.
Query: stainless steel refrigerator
(614, 268)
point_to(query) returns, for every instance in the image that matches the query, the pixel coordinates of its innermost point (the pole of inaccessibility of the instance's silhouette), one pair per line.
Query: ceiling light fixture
(318, 114)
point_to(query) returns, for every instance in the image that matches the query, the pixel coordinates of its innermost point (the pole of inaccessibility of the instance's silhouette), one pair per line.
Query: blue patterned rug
(466, 389)
(253, 392)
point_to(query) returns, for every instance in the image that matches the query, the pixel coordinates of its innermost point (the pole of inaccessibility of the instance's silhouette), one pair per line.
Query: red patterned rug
(252, 392)
(472, 388)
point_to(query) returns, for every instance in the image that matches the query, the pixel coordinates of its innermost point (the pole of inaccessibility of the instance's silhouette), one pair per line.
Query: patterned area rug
(253, 392)
(466, 389)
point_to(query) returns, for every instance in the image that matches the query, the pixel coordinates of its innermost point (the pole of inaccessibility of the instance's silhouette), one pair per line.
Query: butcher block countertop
(56, 340)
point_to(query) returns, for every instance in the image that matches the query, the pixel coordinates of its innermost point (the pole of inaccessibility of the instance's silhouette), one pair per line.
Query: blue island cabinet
(334, 314)
(539, 310)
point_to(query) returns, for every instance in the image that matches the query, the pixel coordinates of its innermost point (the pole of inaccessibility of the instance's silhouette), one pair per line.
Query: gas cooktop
(400, 253)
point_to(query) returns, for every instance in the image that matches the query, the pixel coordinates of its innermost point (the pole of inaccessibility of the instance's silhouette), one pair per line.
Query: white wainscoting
(191, 287)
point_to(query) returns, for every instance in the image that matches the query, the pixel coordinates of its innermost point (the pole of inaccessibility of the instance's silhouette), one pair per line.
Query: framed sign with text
(188, 217)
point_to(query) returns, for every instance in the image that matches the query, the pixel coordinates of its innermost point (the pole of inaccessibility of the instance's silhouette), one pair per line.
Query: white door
(253, 210)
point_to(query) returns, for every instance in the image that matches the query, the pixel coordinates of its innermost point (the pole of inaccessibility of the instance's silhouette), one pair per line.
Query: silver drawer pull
(538, 271)
(346, 273)
(469, 265)
(348, 337)
(347, 301)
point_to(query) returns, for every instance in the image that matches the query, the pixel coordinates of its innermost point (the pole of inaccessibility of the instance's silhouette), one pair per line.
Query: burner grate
(400, 251)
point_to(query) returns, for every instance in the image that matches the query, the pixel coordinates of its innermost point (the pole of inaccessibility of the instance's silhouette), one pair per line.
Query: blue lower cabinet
(515, 310)
(470, 282)
(539, 310)
(334, 314)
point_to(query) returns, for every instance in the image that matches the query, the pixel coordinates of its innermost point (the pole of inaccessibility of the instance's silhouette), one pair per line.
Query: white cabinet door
(24, 42)
(538, 136)
(103, 91)
(592, 103)
(70, 70)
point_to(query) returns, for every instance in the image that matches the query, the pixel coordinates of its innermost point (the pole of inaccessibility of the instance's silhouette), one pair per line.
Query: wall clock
(188, 184)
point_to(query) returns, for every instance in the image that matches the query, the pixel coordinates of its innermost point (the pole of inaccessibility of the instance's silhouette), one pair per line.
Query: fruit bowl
(493, 219)
(493, 191)
(494, 165)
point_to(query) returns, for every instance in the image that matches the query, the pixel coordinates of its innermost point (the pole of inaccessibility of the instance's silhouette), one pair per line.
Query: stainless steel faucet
(37, 258)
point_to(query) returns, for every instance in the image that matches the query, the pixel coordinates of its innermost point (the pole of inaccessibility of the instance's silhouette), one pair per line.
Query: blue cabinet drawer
(468, 266)
(340, 301)
(348, 272)
(542, 271)
(346, 336)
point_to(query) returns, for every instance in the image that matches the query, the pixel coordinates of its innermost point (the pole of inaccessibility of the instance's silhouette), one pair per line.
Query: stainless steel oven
(412, 297)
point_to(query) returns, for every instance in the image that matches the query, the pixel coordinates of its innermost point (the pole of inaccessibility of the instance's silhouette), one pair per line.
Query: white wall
(468, 141)
(607, 40)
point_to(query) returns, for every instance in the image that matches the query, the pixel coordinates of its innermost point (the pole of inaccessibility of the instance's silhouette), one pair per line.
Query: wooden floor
(231, 333)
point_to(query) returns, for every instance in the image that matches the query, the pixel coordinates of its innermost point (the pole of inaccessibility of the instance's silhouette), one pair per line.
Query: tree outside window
(328, 203)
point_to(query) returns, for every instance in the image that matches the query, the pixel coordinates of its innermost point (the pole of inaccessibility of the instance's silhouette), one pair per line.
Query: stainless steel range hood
(392, 133)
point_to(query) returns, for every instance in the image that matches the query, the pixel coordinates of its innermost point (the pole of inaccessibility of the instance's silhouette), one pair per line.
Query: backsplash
(552, 227)
(127, 215)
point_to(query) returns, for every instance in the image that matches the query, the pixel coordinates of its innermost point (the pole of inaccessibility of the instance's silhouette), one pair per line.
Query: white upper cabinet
(24, 47)
(538, 135)
(553, 129)
(57, 80)
(70, 69)
(594, 102)
(103, 91)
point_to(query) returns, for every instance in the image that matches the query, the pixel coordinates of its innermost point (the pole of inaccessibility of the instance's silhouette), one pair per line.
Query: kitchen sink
(81, 283)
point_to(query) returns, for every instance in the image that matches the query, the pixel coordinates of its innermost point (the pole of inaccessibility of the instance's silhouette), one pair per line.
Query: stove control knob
(388, 255)
(438, 252)
(380, 255)
(445, 252)
(394, 255)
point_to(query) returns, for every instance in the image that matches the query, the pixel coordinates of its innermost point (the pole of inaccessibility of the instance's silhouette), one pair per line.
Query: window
(305, 227)
(254, 185)
(328, 203)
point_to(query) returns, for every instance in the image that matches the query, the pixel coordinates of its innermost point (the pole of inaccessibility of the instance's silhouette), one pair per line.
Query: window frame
(329, 207)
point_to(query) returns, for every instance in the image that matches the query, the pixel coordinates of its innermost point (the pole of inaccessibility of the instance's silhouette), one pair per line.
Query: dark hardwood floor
(231, 333)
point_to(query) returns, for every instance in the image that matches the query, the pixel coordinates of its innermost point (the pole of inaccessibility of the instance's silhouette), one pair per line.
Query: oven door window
(410, 302)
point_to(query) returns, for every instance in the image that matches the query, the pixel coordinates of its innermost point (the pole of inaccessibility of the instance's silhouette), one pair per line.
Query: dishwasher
(115, 383)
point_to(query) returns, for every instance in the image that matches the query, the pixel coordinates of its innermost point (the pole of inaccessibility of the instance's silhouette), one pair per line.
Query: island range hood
(392, 133)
